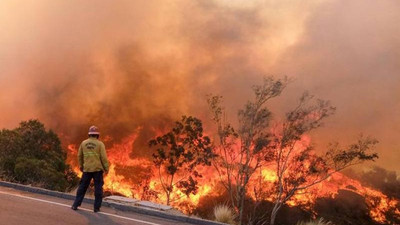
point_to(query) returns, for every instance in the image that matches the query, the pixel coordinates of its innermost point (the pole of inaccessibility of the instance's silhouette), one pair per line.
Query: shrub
(224, 214)
(30, 154)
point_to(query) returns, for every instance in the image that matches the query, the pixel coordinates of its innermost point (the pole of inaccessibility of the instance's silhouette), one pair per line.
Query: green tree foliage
(179, 153)
(30, 154)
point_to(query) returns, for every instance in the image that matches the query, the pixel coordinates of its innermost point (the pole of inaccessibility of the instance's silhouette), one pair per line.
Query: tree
(178, 154)
(242, 152)
(299, 168)
(10, 148)
(256, 145)
(31, 154)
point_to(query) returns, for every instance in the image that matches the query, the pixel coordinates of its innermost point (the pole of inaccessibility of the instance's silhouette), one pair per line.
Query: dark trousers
(84, 184)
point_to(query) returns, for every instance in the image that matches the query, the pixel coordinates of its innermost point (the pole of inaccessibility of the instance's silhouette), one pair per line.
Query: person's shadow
(97, 218)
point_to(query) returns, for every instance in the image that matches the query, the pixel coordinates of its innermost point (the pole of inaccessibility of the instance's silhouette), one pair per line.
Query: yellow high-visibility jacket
(92, 155)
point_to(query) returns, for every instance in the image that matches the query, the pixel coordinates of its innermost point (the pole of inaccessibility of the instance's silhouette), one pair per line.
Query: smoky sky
(124, 65)
(349, 54)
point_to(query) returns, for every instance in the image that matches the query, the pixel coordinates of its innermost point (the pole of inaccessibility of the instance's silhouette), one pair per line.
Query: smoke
(128, 65)
(388, 182)
(349, 54)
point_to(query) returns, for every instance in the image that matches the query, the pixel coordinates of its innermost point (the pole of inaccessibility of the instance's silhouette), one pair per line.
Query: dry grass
(224, 214)
(317, 222)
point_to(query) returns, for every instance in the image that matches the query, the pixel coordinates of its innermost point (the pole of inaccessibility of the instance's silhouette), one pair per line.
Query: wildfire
(122, 183)
(115, 183)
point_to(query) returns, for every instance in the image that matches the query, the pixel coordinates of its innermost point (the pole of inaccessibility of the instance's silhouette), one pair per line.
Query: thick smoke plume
(129, 65)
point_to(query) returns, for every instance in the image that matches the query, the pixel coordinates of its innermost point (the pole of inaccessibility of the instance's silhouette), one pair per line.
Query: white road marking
(80, 208)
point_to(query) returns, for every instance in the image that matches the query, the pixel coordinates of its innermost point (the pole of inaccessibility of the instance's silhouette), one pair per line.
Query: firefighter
(93, 163)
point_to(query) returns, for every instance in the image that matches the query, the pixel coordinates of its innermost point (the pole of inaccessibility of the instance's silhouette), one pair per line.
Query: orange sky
(124, 64)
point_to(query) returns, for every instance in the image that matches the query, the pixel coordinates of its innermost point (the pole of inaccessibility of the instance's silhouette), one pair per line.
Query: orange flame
(119, 155)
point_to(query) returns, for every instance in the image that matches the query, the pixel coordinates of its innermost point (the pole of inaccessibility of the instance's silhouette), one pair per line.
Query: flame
(269, 175)
(119, 156)
(115, 183)
(377, 202)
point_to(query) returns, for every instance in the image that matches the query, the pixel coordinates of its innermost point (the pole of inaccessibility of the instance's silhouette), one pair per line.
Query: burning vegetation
(134, 67)
(259, 169)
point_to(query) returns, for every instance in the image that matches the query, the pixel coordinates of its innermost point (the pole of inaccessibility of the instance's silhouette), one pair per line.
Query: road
(18, 207)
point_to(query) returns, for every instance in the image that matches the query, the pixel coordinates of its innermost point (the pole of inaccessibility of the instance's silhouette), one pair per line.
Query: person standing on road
(93, 162)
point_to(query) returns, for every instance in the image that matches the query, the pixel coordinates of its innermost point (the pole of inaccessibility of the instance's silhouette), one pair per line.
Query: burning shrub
(224, 214)
(346, 208)
(217, 196)
(386, 181)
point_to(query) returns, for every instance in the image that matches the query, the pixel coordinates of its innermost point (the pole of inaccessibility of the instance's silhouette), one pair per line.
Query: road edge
(113, 205)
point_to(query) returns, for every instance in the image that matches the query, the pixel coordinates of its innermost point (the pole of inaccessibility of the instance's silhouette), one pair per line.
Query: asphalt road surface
(18, 207)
